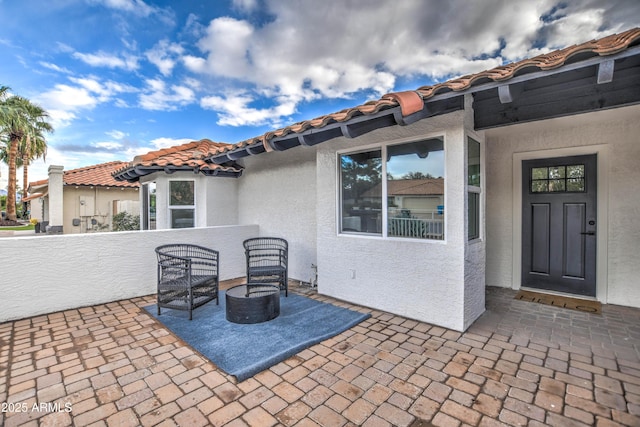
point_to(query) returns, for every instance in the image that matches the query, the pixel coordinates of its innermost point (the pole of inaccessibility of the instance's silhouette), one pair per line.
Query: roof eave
(134, 173)
(361, 124)
(352, 128)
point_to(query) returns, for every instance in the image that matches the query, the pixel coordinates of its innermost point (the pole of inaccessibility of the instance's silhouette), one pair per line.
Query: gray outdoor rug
(244, 350)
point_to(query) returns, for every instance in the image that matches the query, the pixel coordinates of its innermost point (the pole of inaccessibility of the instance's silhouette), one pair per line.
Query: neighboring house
(415, 207)
(84, 200)
(539, 165)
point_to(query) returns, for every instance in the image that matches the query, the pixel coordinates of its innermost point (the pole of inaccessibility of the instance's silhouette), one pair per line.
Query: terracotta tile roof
(32, 196)
(409, 187)
(97, 175)
(39, 183)
(189, 156)
(609, 45)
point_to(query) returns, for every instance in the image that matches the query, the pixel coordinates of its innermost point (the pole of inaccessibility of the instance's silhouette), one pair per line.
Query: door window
(554, 179)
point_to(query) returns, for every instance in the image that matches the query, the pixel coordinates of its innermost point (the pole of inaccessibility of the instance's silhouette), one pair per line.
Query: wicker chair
(267, 260)
(187, 276)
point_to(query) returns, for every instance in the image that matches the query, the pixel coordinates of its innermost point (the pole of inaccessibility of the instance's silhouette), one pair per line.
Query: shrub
(124, 221)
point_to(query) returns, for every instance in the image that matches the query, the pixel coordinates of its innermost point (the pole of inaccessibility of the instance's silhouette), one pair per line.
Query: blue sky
(124, 77)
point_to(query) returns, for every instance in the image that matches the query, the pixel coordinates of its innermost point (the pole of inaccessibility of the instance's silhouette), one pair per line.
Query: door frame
(602, 153)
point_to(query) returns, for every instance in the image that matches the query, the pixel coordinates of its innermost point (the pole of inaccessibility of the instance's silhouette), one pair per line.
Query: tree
(360, 172)
(124, 221)
(417, 175)
(21, 121)
(32, 147)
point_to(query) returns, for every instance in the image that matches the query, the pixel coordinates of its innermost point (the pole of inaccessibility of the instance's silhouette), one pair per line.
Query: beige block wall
(98, 200)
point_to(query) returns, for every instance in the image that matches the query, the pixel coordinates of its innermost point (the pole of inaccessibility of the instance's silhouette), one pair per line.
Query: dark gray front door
(559, 224)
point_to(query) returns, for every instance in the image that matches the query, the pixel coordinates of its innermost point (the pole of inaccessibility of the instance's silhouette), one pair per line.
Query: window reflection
(361, 175)
(182, 203)
(556, 179)
(415, 189)
(414, 199)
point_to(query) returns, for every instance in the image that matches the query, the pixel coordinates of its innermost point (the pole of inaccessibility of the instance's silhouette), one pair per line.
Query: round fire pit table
(253, 303)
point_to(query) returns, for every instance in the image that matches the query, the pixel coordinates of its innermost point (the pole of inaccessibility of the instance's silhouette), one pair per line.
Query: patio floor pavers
(520, 364)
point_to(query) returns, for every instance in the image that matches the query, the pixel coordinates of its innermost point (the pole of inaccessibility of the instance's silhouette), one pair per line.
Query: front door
(559, 224)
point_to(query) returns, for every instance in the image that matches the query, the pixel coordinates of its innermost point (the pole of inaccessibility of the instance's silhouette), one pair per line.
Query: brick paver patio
(520, 364)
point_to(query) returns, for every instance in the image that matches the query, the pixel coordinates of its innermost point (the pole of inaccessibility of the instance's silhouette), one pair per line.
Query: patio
(520, 364)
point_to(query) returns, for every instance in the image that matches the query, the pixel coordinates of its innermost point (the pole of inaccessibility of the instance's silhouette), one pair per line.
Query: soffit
(401, 108)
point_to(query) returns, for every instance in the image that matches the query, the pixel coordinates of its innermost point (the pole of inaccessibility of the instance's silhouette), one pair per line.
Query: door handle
(589, 233)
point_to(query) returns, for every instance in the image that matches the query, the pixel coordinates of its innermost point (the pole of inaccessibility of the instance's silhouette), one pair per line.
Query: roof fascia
(542, 73)
(352, 128)
(315, 136)
(134, 173)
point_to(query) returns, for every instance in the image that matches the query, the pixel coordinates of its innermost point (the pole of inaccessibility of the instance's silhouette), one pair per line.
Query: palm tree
(32, 147)
(20, 120)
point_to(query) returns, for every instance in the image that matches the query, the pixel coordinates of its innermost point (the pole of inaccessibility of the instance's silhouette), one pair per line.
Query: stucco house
(82, 200)
(539, 165)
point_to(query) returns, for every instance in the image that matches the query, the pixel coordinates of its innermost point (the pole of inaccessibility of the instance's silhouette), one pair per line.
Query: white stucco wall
(90, 269)
(278, 191)
(56, 205)
(419, 279)
(475, 250)
(102, 199)
(216, 199)
(221, 201)
(614, 136)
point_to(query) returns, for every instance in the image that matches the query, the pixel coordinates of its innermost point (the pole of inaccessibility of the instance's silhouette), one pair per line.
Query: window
(556, 179)
(473, 189)
(361, 175)
(149, 206)
(408, 202)
(182, 204)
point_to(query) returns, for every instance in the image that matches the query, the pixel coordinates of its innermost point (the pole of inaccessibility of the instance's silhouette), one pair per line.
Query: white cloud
(310, 49)
(55, 67)
(227, 41)
(164, 56)
(137, 7)
(159, 96)
(245, 5)
(64, 101)
(116, 134)
(103, 59)
(235, 110)
(63, 96)
(160, 143)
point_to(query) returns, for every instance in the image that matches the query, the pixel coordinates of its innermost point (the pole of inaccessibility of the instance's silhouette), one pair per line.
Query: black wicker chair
(267, 261)
(187, 276)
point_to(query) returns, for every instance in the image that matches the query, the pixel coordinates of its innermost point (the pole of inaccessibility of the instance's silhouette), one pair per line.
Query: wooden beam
(347, 132)
(505, 95)
(509, 93)
(235, 155)
(488, 116)
(605, 71)
(254, 149)
(303, 140)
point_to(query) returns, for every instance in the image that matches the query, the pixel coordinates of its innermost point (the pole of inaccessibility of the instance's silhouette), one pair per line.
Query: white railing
(416, 227)
(45, 274)
(417, 223)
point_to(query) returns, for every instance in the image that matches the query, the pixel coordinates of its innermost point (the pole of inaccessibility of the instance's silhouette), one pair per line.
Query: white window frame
(384, 217)
(146, 203)
(181, 207)
(474, 188)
